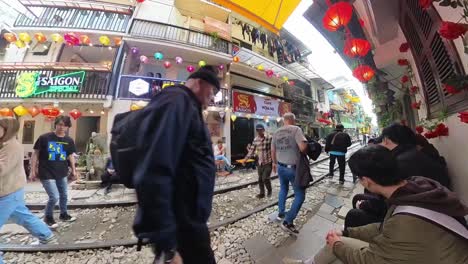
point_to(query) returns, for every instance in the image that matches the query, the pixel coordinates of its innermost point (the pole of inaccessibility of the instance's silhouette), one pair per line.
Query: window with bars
(436, 58)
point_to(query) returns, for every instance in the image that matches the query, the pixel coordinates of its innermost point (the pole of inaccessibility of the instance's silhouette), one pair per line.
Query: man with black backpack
(337, 144)
(167, 157)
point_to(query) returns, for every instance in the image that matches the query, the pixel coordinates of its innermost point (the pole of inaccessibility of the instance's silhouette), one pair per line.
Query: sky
(328, 64)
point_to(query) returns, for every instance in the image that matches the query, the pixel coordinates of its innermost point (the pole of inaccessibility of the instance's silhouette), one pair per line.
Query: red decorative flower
(326, 115)
(416, 105)
(414, 89)
(441, 130)
(450, 30)
(404, 47)
(430, 134)
(451, 89)
(403, 122)
(419, 129)
(425, 4)
(403, 62)
(404, 79)
(463, 116)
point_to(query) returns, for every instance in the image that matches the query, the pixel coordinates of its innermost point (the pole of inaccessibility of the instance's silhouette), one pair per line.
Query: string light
(102, 112)
(62, 111)
(91, 111)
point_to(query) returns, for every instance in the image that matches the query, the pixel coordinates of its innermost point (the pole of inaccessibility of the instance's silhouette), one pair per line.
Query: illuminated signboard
(32, 83)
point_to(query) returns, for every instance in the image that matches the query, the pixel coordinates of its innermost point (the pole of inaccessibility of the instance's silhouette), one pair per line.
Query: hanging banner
(267, 106)
(259, 105)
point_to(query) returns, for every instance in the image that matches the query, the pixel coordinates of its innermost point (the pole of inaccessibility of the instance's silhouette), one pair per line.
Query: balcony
(93, 86)
(144, 29)
(53, 17)
(154, 86)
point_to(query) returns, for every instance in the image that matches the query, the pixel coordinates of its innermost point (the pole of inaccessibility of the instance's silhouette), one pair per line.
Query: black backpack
(124, 147)
(314, 149)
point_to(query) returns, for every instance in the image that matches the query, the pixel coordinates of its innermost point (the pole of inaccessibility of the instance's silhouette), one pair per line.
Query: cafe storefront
(37, 92)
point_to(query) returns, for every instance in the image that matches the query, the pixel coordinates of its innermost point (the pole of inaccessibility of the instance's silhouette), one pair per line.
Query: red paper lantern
(363, 73)
(167, 64)
(140, 1)
(338, 15)
(50, 112)
(75, 113)
(34, 111)
(6, 112)
(10, 37)
(357, 47)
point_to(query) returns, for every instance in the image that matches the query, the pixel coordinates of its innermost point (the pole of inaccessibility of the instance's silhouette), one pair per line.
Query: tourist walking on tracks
(175, 177)
(53, 154)
(12, 182)
(287, 143)
(262, 146)
(337, 144)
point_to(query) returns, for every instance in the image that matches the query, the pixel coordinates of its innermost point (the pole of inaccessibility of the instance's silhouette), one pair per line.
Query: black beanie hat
(208, 74)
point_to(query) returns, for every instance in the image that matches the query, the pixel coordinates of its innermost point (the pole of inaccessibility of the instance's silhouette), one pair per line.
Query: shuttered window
(436, 58)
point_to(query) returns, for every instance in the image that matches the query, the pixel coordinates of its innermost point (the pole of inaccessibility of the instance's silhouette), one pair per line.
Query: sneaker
(67, 218)
(289, 228)
(260, 196)
(329, 175)
(269, 195)
(50, 240)
(341, 182)
(232, 167)
(280, 217)
(50, 222)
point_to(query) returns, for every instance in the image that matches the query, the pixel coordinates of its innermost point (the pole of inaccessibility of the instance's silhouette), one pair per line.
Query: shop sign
(33, 83)
(138, 87)
(258, 105)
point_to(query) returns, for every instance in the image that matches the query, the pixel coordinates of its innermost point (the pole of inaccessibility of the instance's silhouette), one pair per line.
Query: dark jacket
(410, 162)
(175, 181)
(303, 176)
(341, 144)
(407, 239)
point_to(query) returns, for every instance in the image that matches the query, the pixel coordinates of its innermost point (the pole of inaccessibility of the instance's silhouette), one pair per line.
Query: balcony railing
(155, 85)
(155, 30)
(77, 19)
(95, 84)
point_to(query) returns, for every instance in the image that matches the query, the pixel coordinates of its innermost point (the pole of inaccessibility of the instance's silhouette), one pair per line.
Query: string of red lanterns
(338, 15)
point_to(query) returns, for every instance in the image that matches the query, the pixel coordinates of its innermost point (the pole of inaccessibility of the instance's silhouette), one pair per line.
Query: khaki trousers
(326, 256)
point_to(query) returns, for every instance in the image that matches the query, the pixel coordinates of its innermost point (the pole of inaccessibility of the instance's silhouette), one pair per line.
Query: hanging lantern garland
(363, 73)
(25, 37)
(85, 40)
(71, 39)
(20, 110)
(75, 113)
(6, 112)
(40, 37)
(337, 16)
(167, 64)
(144, 59)
(190, 68)
(201, 63)
(57, 38)
(179, 60)
(135, 50)
(357, 48)
(10, 37)
(34, 111)
(158, 56)
(50, 112)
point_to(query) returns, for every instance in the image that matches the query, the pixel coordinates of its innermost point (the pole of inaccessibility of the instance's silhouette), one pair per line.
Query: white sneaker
(51, 240)
(292, 261)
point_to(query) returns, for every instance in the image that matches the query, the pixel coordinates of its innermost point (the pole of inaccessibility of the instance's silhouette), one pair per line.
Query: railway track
(94, 218)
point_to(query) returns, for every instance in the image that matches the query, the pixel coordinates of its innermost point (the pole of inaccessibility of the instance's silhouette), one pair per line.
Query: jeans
(57, 191)
(227, 164)
(13, 207)
(286, 176)
(264, 173)
(341, 164)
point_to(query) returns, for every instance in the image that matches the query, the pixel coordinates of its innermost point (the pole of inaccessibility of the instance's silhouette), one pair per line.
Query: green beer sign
(32, 83)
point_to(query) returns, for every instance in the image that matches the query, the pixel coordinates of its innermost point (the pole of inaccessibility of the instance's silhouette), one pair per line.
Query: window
(436, 58)
(321, 96)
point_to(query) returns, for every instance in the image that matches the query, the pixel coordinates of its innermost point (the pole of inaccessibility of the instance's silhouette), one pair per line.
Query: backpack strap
(442, 220)
(334, 137)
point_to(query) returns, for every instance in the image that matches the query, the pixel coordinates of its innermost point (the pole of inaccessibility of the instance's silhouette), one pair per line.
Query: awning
(269, 14)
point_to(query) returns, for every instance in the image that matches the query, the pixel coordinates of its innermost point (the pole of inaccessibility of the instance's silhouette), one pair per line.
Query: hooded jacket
(12, 175)
(407, 239)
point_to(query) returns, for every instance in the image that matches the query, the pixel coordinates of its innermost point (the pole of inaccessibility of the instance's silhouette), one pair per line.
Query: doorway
(242, 134)
(84, 127)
